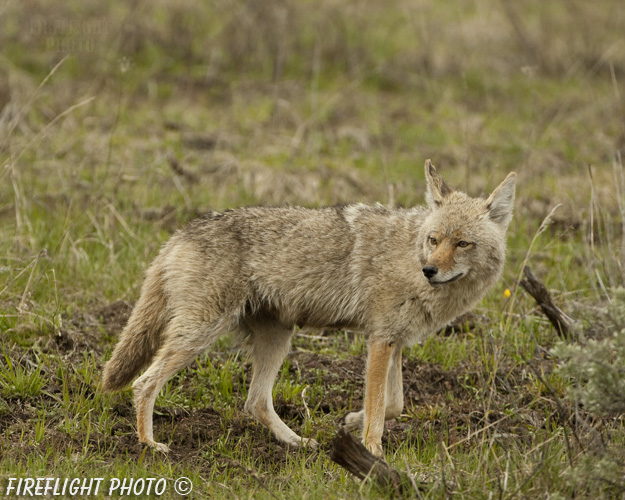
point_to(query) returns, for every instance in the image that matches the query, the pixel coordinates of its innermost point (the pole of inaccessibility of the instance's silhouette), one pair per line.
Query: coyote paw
(309, 443)
(163, 448)
(353, 421)
(376, 449)
(299, 442)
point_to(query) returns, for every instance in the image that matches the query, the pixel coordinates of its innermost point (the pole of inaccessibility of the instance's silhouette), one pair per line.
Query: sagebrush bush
(597, 367)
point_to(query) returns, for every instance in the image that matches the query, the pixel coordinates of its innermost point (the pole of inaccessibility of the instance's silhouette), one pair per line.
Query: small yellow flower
(506, 293)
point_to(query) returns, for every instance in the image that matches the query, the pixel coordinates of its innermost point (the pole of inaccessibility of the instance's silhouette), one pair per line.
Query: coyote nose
(429, 271)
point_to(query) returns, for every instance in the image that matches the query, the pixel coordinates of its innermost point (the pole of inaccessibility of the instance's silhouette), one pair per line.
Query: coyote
(397, 274)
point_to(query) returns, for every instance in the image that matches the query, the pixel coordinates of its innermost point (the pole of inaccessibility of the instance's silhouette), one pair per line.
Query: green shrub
(597, 367)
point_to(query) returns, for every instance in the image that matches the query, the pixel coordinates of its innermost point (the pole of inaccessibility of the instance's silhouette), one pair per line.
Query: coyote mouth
(450, 280)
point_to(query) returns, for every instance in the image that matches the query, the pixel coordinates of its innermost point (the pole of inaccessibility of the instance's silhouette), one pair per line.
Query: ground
(120, 122)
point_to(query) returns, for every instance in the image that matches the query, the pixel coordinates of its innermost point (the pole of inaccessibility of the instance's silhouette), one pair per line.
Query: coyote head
(462, 236)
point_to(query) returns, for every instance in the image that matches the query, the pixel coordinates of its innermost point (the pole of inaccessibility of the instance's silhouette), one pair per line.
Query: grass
(120, 123)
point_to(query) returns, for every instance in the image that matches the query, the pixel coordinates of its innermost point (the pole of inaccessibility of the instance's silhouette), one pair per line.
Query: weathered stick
(349, 453)
(532, 285)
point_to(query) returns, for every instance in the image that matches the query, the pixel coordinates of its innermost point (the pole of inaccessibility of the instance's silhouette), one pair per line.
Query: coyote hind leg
(270, 343)
(182, 346)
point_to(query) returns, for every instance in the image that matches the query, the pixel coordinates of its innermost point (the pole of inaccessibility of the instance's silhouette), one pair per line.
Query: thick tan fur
(399, 275)
(141, 337)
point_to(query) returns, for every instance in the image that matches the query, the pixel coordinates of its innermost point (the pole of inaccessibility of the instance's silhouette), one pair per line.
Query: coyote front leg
(394, 395)
(378, 362)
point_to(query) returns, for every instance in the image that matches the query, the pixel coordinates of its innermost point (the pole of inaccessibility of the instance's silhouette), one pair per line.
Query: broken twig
(560, 321)
(349, 453)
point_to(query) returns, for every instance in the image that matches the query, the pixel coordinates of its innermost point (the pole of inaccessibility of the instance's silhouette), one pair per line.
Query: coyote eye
(433, 241)
(463, 244)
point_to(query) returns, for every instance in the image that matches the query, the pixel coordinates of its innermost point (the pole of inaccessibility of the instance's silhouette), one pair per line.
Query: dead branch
(532, 285)
(349, 453)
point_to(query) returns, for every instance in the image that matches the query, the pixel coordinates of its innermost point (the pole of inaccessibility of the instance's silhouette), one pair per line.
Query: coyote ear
(437, 189)
(501, 201)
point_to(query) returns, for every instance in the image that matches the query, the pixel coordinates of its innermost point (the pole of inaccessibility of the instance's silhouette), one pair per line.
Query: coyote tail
(140, 338)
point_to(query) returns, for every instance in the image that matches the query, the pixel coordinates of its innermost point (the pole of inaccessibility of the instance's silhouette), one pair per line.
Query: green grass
(306, 103)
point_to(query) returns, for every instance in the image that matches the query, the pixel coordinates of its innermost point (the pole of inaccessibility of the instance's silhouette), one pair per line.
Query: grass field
(121, 121)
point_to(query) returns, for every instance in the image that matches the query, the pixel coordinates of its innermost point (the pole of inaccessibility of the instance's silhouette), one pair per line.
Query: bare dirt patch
(85, 331)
